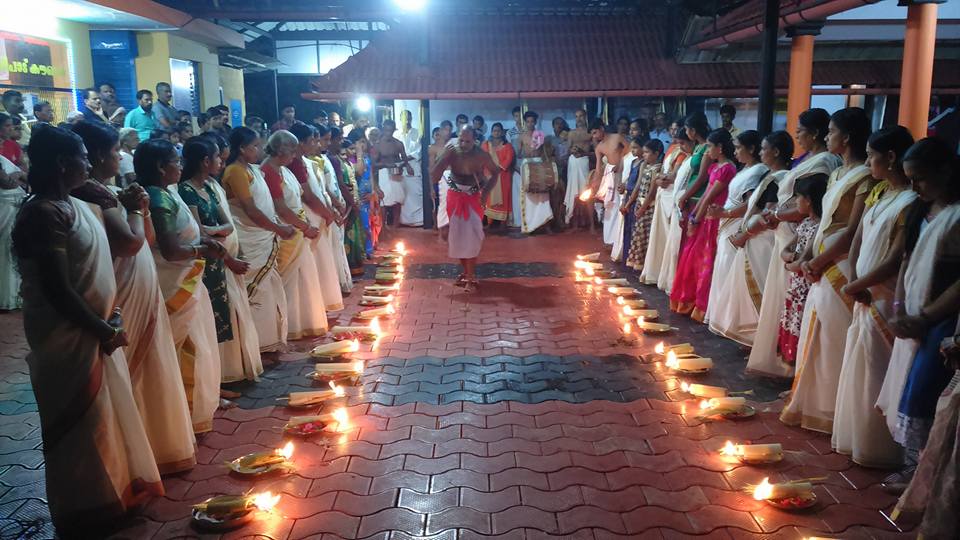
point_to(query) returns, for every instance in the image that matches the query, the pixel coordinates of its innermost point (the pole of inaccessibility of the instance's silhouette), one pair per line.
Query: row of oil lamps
(226, 512)
(716, 401)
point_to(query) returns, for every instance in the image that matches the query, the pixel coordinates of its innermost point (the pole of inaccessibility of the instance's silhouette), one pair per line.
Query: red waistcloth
(460, 204)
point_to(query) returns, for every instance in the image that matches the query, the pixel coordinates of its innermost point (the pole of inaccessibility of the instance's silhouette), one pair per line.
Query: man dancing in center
(473, 175)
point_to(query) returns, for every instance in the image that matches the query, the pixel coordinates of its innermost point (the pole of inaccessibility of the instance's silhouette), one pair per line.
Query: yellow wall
(153, 60)
(231, 80)
(153, 66)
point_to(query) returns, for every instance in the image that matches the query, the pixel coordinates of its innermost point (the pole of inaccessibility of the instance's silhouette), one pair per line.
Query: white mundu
(764, 356)
(660, 222)
(859, 428)
(260, 248)
(240, 357)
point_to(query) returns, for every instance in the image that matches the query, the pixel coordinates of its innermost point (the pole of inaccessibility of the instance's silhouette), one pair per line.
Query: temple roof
(495, 57)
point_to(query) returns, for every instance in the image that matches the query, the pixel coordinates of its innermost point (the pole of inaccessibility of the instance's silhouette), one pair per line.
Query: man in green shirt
(142, 118)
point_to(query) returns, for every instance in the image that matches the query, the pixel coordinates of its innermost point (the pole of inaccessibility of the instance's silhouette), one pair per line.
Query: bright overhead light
(363, 104)
(410, 5)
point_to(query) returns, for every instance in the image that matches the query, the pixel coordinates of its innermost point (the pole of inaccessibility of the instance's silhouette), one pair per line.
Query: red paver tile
(650, 517)
(589, 516)
(392, 519)
(411, 446)
(489, 465)
(299, 508)
(524, 517)
(472, 419)
(551, 501)
(336, 523)
(430, 465)
(518, 477)
(578, 476)
(459, 517)
(709, 518)
(459, 478)
(490, 502)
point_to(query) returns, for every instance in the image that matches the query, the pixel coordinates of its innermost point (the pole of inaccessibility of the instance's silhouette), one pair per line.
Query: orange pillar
(801, 72)
(916, 78)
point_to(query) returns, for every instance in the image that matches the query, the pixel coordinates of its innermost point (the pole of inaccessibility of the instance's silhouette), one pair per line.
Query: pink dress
(691, 284)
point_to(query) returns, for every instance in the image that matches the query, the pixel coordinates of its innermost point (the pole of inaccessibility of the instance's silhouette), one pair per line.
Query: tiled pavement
(513, 413)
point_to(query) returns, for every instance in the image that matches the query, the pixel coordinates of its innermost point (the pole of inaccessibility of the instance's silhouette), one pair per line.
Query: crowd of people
(169, 263)
(152, 270)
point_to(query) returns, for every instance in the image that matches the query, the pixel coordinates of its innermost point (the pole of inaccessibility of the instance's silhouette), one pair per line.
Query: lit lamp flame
(627, 310)
(585, 196)
(763, 491)
(343, 420)
(620, 300)
(729, 449)
(375, 327)
(580, 264)
(626, 328)
(358, 366)
(286, 452)
(685, 387)
(598, 281)
(705, 404)
(672, 361)
(400, 248)
(659, 348)
(265, 501)
(355, 345)
(589, 271)
(337, 390)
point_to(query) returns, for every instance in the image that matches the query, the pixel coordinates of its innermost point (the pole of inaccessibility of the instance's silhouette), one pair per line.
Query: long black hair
(240, 137)
(195, 150)
(698, 122)
(654, 145)
(783, 143)
(896, 139)
(816, 121)
(935, 158)
(855, 124)
(216, 139)
(48, 146)
(813, 187)
(151, 156)
(750, 139)
(722, 138)
(303, 132)
(98, 137)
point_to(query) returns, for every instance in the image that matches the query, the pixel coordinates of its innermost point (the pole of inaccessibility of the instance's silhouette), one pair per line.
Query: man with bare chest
(609, 149)
(473, 174)
(390, 160)
(578, 174)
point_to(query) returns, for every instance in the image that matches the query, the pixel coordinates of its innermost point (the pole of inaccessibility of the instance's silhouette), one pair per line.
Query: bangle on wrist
(137, 212)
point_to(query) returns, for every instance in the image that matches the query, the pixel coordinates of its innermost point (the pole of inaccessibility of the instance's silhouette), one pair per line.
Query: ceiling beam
(244, 26)
(326, 35)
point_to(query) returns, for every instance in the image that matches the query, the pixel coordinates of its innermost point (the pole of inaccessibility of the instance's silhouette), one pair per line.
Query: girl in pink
(691, 285)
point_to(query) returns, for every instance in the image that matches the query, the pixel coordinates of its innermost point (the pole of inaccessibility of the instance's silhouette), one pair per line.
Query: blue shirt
(142, 121)
(663, 135)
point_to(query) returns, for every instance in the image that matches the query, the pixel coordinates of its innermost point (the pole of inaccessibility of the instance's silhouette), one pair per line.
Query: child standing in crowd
(809, 196)
(637, 227)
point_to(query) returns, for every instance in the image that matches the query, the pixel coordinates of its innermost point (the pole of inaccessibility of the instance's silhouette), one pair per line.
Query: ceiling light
(363, 104)
(410, 5)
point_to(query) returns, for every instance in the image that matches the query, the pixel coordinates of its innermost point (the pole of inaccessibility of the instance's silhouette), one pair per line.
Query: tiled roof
(561, 57)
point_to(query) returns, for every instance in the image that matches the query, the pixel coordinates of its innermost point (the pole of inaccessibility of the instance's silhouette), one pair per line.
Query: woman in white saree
(827, 313)
(875, 256)
(927, 296)
(747, 144)
(663, 208)
(260, 233)
(179, 253)
(96, 453)
(335, 192)
(151, 353)
(310, 172)
(240, 354)
(811, 136)
(735, 311)
(306, 310)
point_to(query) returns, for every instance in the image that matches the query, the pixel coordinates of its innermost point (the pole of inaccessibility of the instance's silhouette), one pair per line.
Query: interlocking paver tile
(512, 413)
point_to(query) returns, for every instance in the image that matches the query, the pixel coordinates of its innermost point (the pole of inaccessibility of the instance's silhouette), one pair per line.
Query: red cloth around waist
(460, 204)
